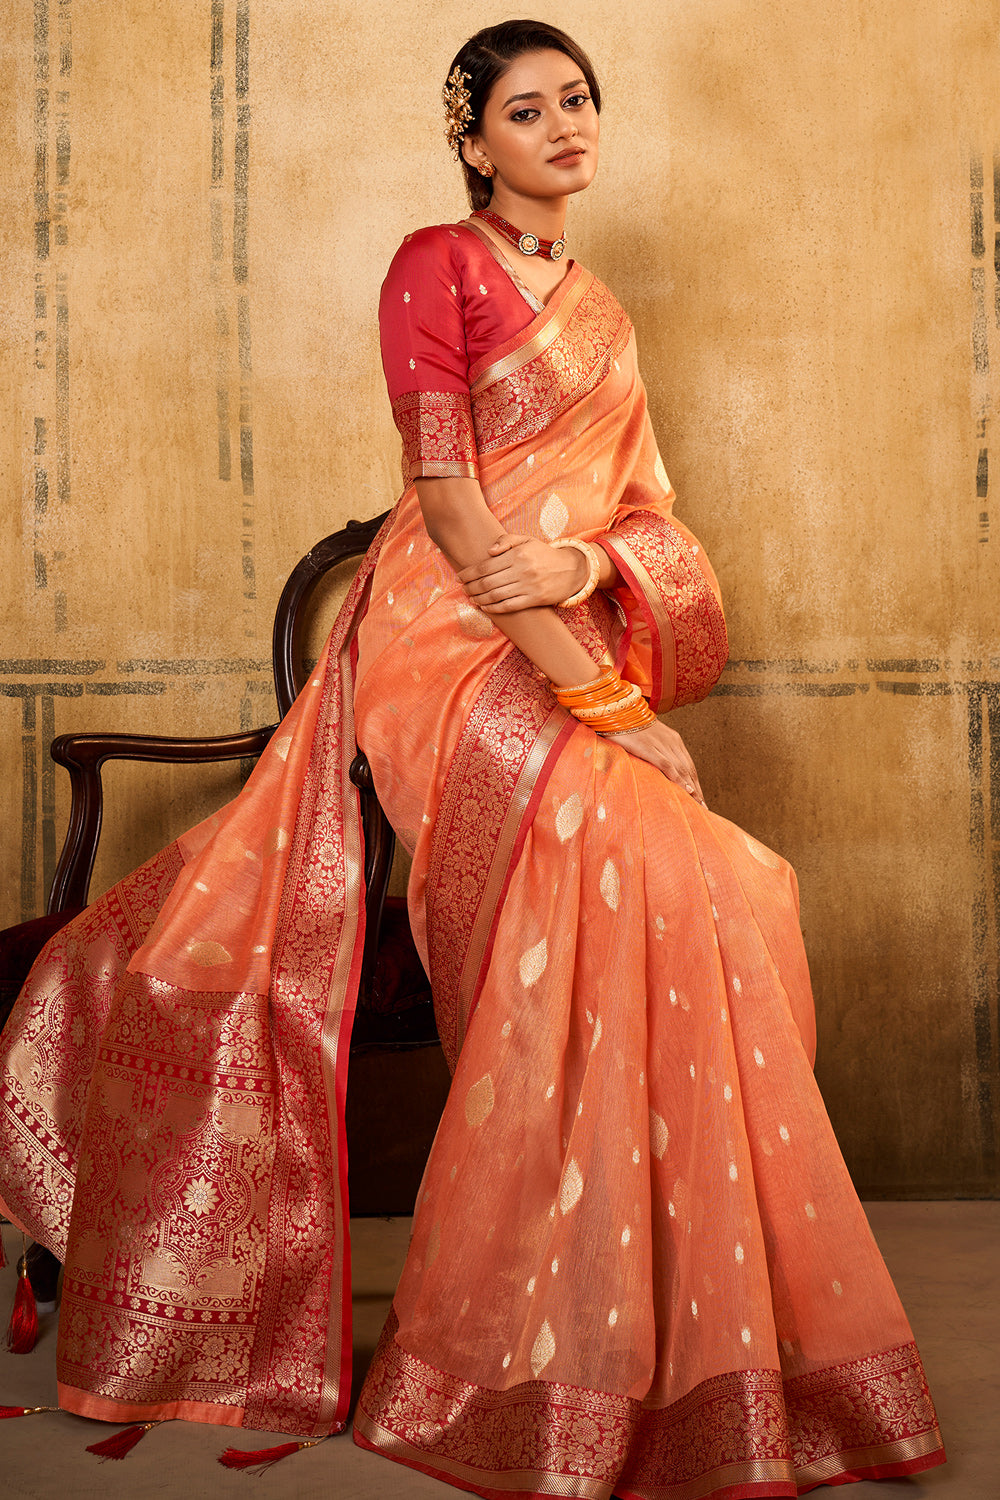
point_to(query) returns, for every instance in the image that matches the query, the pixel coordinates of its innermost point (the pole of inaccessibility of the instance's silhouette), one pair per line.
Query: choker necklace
(527, 243)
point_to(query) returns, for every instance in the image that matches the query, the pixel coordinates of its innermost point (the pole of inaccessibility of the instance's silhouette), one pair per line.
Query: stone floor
(945, 1258)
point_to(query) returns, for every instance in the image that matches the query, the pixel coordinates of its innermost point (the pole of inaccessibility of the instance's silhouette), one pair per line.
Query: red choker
(527, 243)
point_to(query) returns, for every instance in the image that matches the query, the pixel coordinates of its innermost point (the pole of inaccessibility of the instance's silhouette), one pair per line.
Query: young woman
(638, 1266)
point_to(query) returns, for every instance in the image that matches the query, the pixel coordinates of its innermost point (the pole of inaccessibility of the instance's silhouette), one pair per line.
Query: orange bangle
(625, 700)
(606, 679)
(640, 716)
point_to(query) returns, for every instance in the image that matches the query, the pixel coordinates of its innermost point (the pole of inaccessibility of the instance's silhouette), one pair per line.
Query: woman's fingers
(663, 748)
(536, 573)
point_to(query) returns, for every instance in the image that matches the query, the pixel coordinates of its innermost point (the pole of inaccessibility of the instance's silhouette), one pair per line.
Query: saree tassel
(23, 1411)
(22, 1330)
(256, 1460)
(122, 1442)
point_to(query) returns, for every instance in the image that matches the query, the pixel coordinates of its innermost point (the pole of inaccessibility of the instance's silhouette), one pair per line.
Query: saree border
(739, 1427)
(522, 392)
(497, 775)
(271, 1403)
(687, 662)
(543, 329)
(537, 335)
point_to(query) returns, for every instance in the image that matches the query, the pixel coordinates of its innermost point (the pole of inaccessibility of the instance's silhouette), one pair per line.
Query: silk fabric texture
(638, 1265)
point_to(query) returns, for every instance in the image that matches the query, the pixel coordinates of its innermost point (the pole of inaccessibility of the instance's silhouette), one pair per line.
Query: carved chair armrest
(83, 755)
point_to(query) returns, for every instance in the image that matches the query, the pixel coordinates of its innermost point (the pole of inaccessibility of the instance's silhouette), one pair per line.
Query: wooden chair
(395, 1011)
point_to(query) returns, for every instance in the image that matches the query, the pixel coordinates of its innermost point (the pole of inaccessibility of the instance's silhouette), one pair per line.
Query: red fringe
(257, 1460)
(22, 1330)
(23, 1411)
(122, 1442)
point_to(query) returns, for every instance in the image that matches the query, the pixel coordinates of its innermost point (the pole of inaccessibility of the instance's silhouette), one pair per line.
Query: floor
(945, 1258)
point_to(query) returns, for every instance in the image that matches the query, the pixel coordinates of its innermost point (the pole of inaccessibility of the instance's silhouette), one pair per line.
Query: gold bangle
(594, 566)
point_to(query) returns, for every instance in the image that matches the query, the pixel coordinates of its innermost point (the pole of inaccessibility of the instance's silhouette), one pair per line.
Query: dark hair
(486, 56)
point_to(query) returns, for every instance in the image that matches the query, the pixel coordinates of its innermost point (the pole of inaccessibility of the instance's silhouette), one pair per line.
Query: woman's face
(539, 128)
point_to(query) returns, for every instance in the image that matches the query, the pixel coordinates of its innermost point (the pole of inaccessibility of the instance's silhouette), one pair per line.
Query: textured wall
(798, 205)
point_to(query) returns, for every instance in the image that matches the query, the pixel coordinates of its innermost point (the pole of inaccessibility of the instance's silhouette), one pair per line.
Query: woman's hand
(520, 572)
(664, 749)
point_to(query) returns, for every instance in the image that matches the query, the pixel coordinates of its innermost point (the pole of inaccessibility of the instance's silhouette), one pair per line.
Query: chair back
(290, 615)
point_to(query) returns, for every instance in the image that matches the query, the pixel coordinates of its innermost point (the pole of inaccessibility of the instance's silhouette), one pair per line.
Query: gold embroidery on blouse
(438, 435)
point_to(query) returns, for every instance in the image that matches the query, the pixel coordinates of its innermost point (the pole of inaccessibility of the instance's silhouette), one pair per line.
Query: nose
(563, 127)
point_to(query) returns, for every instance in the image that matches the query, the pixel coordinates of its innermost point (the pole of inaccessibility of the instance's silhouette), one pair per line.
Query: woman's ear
(474, 155)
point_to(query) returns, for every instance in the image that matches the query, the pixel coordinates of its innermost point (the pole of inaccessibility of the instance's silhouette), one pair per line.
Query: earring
(486, 169)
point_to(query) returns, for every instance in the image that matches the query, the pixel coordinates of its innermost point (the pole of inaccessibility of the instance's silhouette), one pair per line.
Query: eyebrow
(517, 98)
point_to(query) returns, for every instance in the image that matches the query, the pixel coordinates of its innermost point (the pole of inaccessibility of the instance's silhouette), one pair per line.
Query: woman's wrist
(591, 559)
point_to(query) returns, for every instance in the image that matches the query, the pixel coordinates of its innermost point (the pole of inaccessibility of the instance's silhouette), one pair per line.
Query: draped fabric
(638, 1266)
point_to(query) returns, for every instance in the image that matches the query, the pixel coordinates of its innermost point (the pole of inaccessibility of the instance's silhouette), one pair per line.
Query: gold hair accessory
(593, 569)
(458, 114)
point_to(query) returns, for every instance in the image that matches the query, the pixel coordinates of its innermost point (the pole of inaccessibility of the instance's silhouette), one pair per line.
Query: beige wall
(787, 206)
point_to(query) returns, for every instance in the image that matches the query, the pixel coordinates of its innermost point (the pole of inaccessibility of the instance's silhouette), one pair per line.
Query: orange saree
(638, 1266)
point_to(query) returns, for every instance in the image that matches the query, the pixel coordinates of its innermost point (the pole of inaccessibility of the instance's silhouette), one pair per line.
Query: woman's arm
(522, 571)
(459, 521)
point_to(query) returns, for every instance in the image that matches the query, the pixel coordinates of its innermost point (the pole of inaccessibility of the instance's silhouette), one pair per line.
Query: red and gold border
(496, 777)
(439, 440)
(529, 382)
(744, 1434)
(684, 616)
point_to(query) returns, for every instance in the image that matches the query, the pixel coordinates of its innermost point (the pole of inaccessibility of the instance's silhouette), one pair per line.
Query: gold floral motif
(479, 1101)
(610, 885)
(522, 394)
(683, 614)
(743, 1430)
(571, 1187)
(439, 440)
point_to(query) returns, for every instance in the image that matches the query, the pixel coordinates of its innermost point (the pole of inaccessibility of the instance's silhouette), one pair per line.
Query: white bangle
(593, 563)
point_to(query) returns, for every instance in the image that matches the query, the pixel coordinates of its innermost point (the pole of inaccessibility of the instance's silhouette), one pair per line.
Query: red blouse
(446, 302)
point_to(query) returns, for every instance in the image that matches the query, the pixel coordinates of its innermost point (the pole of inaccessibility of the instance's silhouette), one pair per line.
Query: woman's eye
(576, 100)
(521, 115)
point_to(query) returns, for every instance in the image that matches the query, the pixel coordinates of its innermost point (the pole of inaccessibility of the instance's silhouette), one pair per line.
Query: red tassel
(22, 1330)
(123, 1442)
(255, 1461)
(23, 1411)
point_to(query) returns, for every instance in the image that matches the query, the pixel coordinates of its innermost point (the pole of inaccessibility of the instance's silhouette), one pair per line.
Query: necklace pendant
(528, 243)
(558, 246)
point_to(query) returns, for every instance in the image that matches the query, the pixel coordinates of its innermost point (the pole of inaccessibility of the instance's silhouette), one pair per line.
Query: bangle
(637, 717)
(628, 698)
(593, 563)
(598, 690)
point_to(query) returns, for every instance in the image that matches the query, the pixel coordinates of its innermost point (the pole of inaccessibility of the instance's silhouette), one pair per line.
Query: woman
(638, 1266)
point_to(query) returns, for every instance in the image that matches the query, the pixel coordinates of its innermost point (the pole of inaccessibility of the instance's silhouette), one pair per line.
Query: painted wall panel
(799, 207)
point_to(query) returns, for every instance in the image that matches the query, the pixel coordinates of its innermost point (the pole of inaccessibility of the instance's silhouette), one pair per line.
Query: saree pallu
(638, 1266)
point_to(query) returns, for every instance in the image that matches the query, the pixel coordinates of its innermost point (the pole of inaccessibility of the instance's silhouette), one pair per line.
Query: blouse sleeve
(425, 361)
